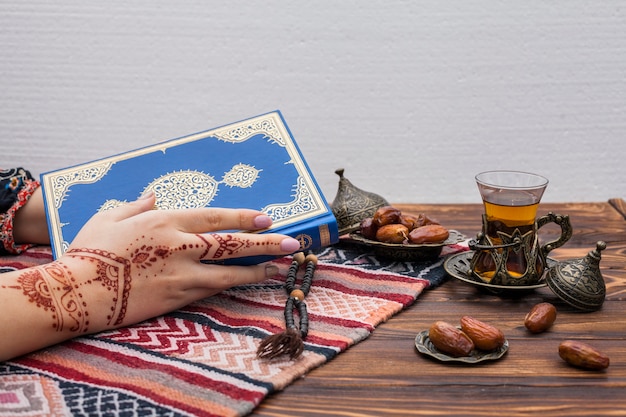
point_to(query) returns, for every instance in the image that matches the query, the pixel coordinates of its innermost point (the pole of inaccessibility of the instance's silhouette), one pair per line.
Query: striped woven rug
(201, 360)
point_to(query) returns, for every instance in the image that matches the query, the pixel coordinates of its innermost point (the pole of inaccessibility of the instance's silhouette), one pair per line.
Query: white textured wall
(412, 98)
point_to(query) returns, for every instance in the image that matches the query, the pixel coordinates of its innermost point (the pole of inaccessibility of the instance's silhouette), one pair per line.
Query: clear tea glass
(507, 252)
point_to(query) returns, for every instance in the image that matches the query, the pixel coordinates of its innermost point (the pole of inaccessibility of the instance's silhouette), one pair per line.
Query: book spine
(313, 235)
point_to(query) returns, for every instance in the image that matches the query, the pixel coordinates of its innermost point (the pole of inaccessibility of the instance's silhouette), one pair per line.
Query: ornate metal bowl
(407, 252)
(426, 347)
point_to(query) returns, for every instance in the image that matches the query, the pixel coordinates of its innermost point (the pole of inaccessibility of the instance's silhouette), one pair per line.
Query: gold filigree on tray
(426, 347)
(407, 252)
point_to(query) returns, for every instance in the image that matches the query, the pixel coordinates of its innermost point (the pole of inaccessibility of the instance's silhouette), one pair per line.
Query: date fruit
(386, 215)
(424, 220)
(431, 233)
(582, 355)
(392, 233)
(485, 336)
(410, 221)
(368, 228)
(540, 318)
(450, 339)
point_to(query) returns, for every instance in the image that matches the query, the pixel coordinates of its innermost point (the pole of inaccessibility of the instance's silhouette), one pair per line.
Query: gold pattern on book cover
(244, 132)
(302, 203)
(88, 175)
(192, 189)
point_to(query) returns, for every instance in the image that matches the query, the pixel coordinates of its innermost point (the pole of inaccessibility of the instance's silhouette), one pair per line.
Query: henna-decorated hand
(129, 264)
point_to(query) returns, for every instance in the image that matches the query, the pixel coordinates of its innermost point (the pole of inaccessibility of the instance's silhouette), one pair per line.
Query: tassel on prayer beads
(291, 341)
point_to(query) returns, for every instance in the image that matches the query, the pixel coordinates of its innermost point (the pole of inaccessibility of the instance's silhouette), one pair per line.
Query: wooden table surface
(386, 376)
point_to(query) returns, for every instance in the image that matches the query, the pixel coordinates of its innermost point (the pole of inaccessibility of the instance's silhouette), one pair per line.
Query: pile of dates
(473, 334)
(390, 225)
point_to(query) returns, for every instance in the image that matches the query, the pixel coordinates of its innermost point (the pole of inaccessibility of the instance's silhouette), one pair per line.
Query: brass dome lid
(352, 204)
(579, 282)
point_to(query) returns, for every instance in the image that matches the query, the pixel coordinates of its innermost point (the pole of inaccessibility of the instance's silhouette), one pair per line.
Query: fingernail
(271, 270)
(146, 195)
(289, 245)
(262, 221)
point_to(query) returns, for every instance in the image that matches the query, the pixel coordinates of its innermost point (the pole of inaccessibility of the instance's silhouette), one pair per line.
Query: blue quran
(254, 163)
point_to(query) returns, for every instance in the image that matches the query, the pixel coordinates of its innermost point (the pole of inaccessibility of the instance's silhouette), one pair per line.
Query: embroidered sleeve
(16, 187)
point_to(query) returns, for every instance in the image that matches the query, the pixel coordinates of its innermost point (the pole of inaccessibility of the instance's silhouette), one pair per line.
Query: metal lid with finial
(352, 204)
(579, 282)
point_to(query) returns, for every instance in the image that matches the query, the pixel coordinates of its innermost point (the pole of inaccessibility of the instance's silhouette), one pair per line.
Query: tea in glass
(510, 199)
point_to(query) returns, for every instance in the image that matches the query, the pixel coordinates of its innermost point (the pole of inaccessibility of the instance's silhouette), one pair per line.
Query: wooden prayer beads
(291, 341)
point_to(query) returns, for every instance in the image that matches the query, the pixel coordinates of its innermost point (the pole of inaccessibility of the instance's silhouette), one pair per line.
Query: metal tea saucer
(458, 266)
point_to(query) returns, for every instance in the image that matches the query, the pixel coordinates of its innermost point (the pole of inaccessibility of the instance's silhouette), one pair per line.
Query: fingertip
(271, 270)
(262, 221)
(147, 200)
(289, 245)
(147, 195)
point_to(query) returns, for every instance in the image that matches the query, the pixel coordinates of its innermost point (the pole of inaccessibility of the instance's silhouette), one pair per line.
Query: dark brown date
(392, 233)
(431, 233)
(408, 220)
(424, 220)
(583, 355)
(368, 228)
(449, 339)
(386, 215)
(540, 318)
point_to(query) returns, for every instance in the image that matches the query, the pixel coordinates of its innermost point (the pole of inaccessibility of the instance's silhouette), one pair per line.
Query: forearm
(30, 224)
(48, 304)
(27, 313)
